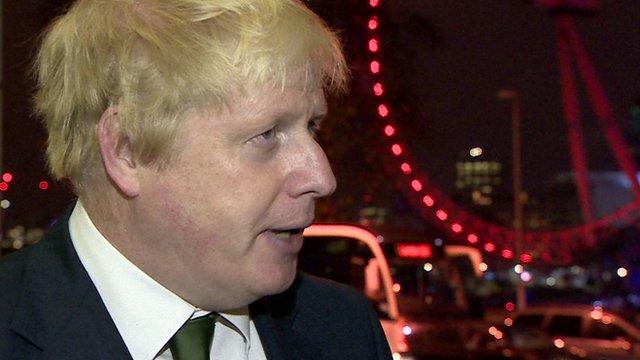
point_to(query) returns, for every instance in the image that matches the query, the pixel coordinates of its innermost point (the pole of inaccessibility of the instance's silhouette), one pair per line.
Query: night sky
(445, 61)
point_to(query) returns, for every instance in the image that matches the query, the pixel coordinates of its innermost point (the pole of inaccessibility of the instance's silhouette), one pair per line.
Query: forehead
(268, 101)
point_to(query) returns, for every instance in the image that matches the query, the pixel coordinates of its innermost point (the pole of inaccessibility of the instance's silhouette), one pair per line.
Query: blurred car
(475, 340)
(584, 330)
(351, 255)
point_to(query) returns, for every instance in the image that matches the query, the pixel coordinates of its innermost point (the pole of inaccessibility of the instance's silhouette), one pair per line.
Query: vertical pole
(1, 120)
(518, 213)
(521, 296)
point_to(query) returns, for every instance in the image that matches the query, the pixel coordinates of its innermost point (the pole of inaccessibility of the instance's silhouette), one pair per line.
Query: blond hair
(154, 59)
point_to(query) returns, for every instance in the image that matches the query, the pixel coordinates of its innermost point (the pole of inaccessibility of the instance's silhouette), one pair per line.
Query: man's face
(227, 216)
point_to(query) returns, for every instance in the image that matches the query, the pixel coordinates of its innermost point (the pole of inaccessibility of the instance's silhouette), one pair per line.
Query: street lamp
(513, 97)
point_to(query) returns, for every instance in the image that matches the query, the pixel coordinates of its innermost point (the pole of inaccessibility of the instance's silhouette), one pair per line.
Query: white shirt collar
(146, 313)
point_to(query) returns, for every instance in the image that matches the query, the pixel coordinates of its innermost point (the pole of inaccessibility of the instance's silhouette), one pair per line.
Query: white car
(584, 330)
(351, 255)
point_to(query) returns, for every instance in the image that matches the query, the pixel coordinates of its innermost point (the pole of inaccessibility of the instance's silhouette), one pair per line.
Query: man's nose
(312, 173)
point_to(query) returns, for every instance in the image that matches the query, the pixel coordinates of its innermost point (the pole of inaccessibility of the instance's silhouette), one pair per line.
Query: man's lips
(286, 242)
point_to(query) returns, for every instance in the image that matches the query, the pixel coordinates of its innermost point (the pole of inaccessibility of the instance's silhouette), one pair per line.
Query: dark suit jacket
(50, 309)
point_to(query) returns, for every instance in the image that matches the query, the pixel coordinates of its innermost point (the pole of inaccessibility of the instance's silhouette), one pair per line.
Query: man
(187, 130)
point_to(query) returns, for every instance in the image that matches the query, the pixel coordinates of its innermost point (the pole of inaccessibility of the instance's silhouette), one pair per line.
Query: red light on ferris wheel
(406, 168)
(472, 238)
(383, 110)
(378, 90)
(507, 254)
(456, 228)
(373, 45)
(374, 66)
(489, 247)
(428, 200)
(416, 185)
(374, 3)
(389, 130)
(442, 215)
(373, 23)
(7, 177)
(526, 258)
(396, 149)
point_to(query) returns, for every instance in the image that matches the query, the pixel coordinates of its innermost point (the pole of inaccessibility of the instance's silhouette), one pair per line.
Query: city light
(475, 152)
(427, 267)
(551, 281)
(483, 267)
(396, 288)
(406, 330)
(5, 204)
(510, 306)
(43, 185)
(622, 272)
(437, 242)
(559, 343)
(508, 321)
(518, 269)
(525, 276)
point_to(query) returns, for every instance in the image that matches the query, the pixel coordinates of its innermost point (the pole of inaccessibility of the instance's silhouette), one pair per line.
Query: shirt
(146, 313)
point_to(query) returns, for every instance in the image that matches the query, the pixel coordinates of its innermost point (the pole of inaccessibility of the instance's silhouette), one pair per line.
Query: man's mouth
(286, 234)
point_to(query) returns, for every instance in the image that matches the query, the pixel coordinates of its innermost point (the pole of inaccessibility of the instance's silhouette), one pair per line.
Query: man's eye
(314, 127)
(266, 138)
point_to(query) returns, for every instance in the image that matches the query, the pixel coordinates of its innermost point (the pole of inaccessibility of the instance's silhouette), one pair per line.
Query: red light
(374, 67)
(510, 306)
(489, 247)
(389, 130)
(374, 3)
(428, 200)
(472, 238)
(442, 215)
(526, 258)
(43, 185)
(4, 186)
(373, 23)
(414, 251)
(406, 168)
(383, 111)
(507, 254)
(456, 228)
(7, 177)
(396, 149)
(373, 45)
(378, 90)
(416, 185)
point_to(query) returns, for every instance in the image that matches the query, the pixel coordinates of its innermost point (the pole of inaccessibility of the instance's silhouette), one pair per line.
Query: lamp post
(514, 98)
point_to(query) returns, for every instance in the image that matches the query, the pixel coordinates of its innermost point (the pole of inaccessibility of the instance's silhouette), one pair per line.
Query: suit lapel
(60, 311)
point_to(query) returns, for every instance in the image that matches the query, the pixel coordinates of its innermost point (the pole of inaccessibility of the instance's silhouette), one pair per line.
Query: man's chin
(275, 284)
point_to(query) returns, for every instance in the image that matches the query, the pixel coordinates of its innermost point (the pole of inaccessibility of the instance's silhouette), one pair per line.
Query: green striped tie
(193, 340)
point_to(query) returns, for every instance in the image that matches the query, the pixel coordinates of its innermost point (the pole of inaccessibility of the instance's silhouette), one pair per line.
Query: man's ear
(117, 156)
